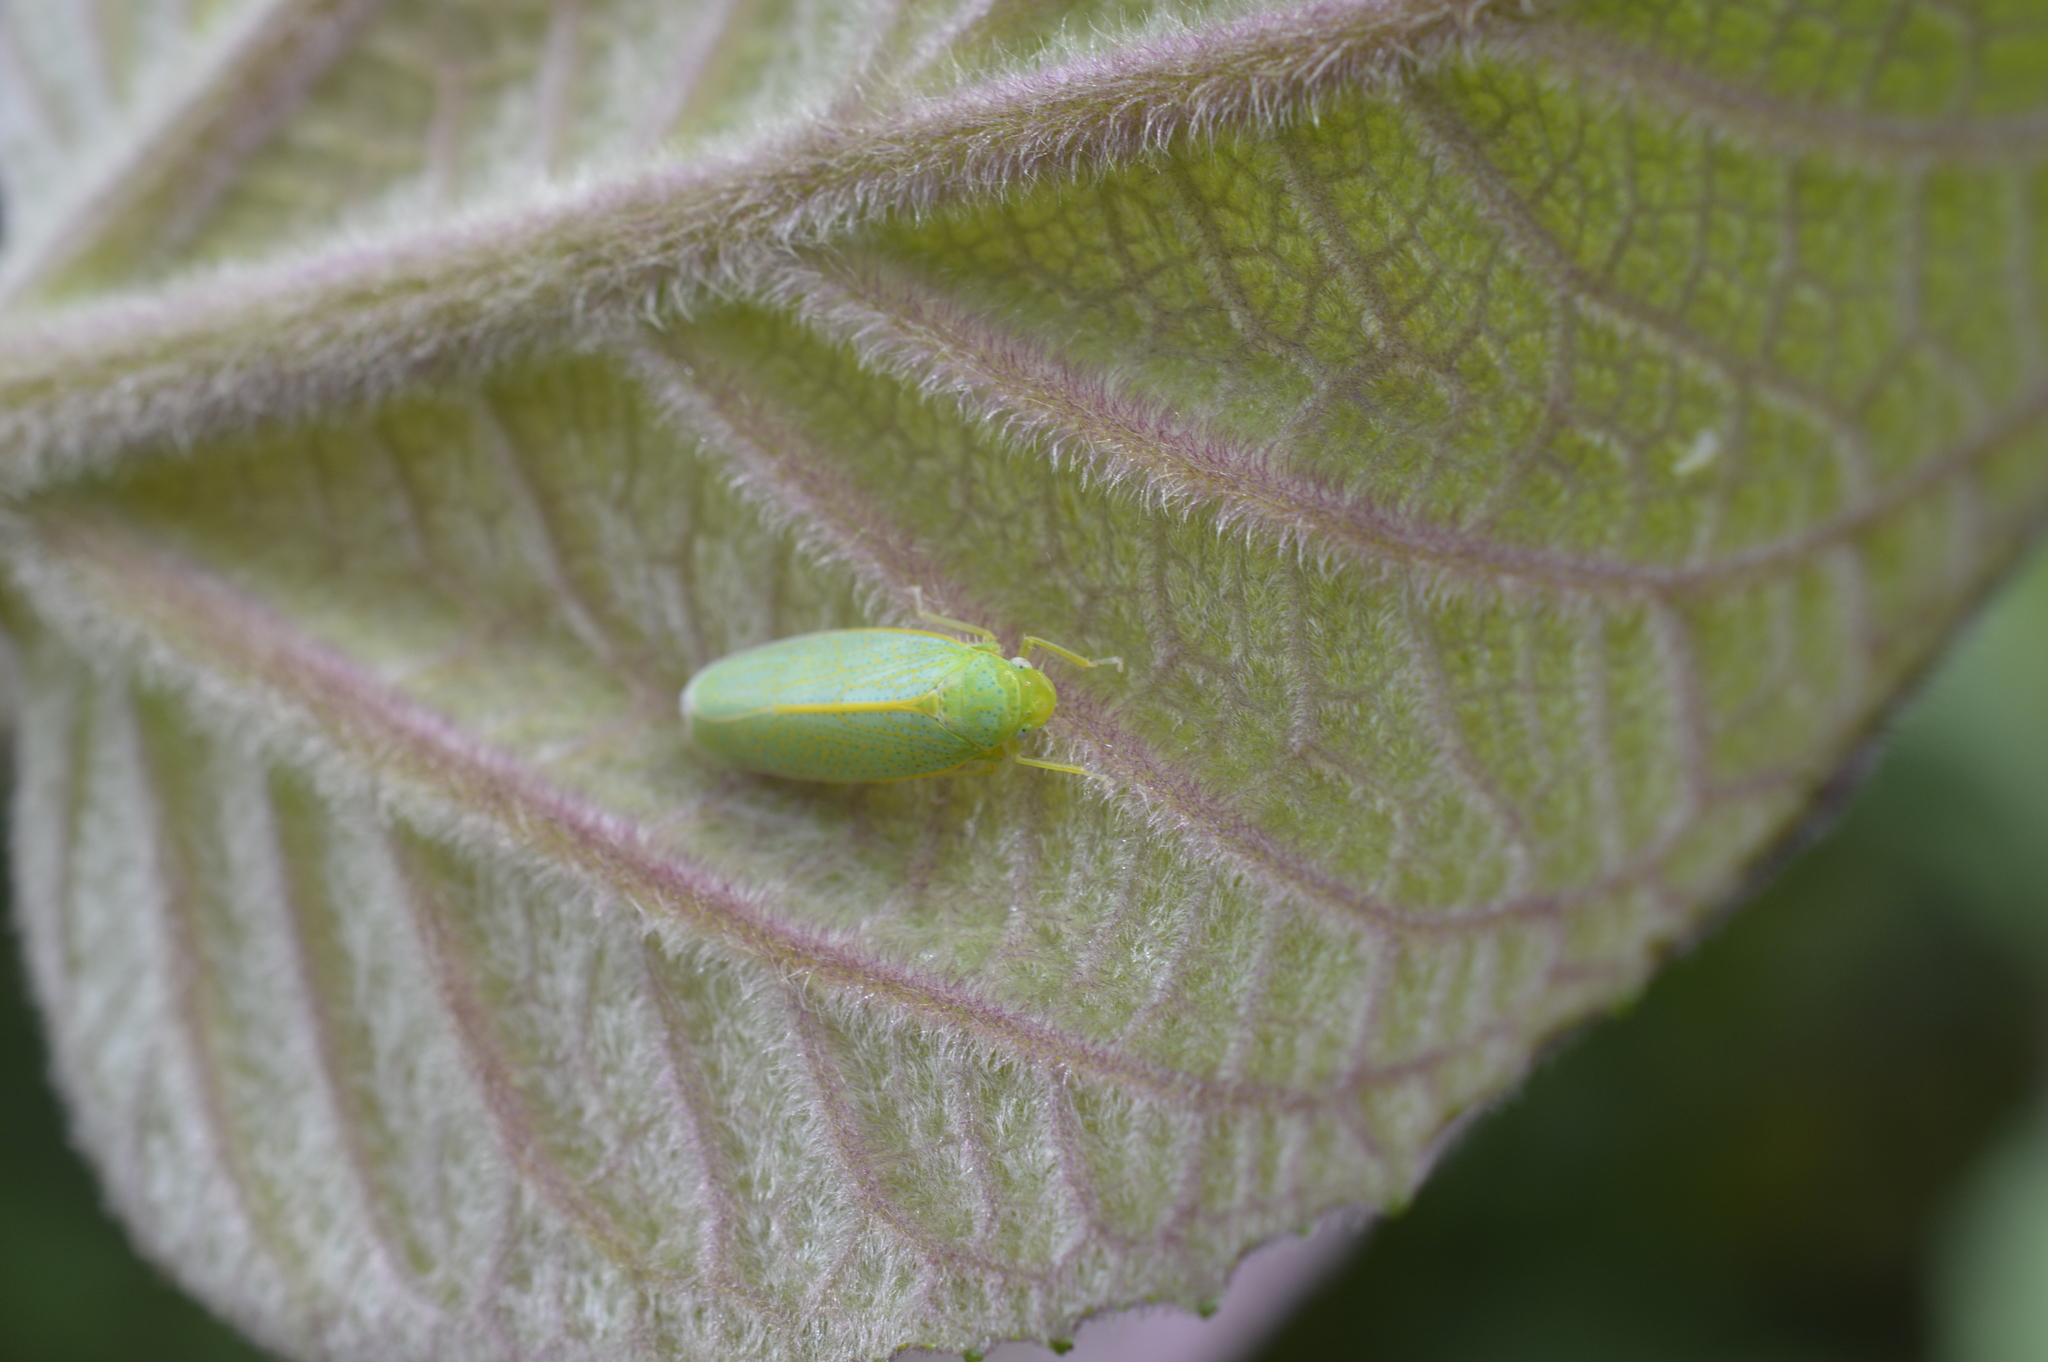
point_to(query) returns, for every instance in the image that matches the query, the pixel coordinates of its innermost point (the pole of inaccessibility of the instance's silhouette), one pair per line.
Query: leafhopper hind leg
(957, 626)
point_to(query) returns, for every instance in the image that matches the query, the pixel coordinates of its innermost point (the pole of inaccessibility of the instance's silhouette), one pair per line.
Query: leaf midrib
(87, 385)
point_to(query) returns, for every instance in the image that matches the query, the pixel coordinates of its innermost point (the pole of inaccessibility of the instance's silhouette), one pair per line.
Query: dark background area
(1770, 1158)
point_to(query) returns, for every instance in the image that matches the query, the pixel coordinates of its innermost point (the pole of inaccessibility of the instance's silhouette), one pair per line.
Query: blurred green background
(1820, 1137)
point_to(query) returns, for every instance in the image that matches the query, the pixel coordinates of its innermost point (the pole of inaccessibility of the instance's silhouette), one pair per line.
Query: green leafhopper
(874, 704)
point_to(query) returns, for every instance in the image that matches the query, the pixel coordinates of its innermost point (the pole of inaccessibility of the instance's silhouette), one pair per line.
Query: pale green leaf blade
(1520, 464)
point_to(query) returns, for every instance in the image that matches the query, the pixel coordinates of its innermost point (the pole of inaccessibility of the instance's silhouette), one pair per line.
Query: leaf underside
(1520, 455)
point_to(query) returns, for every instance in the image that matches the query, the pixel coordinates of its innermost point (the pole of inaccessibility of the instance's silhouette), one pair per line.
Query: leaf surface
(1521, 455)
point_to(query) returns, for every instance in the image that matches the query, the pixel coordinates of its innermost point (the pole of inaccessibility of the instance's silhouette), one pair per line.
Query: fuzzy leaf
(1521, 454)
